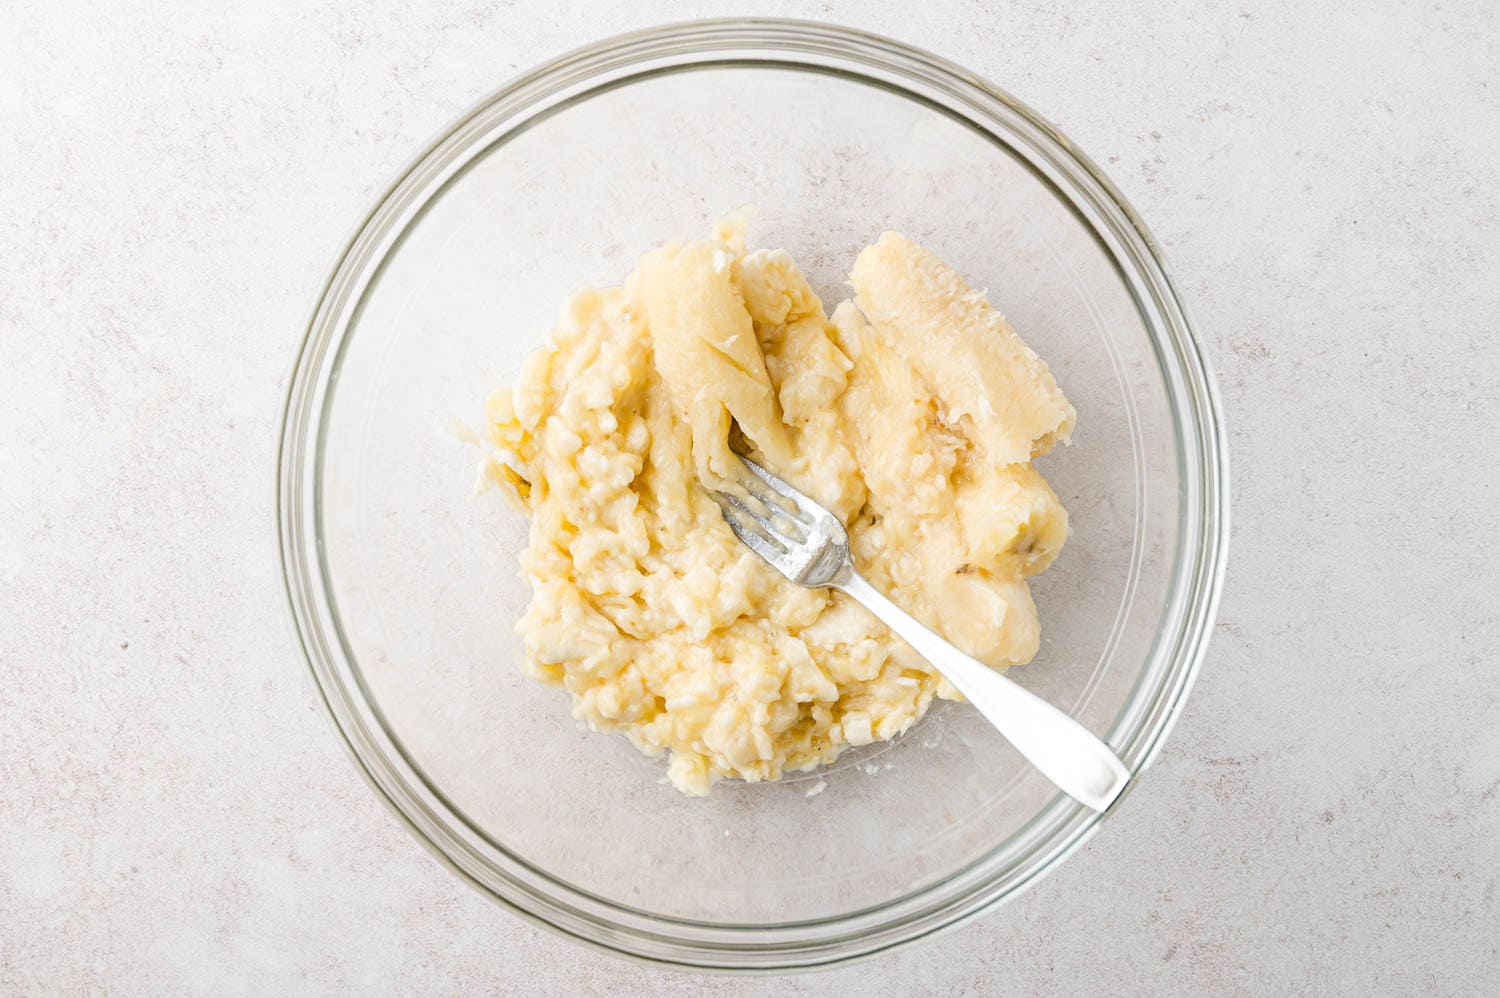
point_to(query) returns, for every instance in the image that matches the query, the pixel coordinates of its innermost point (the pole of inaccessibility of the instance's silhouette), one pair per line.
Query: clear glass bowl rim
(1203, 527)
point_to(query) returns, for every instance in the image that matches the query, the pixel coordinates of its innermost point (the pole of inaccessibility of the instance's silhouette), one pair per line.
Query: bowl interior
(423, 577)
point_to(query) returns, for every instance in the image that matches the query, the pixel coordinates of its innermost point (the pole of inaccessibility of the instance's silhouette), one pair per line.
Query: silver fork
(808, 544)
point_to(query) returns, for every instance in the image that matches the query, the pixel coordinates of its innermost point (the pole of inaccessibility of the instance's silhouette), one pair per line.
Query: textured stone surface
(177, 815)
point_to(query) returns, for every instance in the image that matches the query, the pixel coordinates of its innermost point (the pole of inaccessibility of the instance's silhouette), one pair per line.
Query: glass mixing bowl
(404, 589)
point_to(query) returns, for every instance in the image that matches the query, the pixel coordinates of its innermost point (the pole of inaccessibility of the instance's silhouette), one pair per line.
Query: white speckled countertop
(176, 815)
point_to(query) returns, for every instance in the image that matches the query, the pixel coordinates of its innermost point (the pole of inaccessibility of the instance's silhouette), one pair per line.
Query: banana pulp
(913, 413)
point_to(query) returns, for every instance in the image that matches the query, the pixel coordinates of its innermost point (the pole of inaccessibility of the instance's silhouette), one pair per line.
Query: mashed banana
(914, 417)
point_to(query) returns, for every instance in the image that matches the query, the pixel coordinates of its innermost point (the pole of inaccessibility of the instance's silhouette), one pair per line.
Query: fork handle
(1066, 752)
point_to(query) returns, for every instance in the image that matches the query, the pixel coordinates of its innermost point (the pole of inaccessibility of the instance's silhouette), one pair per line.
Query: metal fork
(808, 545)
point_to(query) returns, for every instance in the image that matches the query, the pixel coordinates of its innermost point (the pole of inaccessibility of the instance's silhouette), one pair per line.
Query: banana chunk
(990, 382)
(708, 356)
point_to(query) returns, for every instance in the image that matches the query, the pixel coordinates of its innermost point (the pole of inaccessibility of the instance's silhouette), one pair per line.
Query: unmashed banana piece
(916, 427)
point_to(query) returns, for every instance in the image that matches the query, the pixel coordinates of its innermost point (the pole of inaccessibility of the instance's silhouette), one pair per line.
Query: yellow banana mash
(913, 413)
